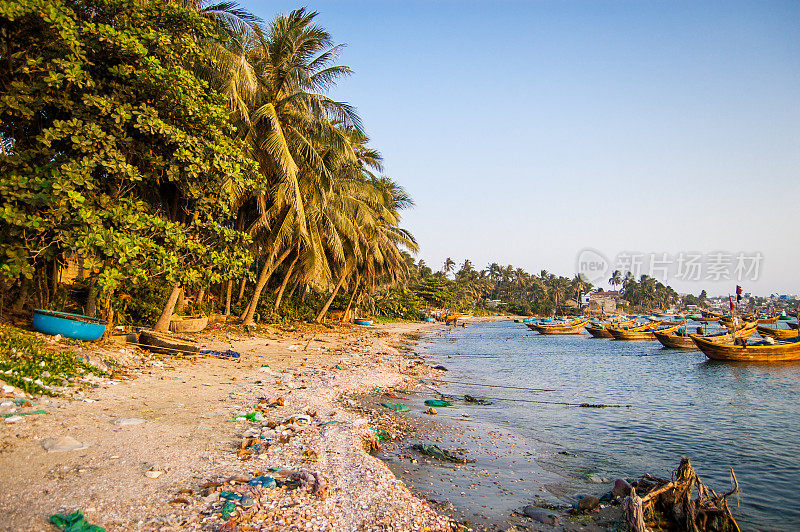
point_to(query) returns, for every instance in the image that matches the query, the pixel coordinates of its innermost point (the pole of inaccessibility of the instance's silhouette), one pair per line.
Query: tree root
(672, 505)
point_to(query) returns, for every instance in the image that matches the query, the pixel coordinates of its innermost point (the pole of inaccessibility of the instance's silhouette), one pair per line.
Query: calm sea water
(721, 415)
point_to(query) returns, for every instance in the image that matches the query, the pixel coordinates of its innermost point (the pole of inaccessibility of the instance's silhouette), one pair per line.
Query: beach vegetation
(167, 153)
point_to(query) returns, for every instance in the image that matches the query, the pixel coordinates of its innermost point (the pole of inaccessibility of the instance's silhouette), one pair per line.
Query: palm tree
(297, 134)
(616, 278)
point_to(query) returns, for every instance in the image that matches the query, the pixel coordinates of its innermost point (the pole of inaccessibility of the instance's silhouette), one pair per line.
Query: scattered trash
(24, 414)
(299, 419)
(435, 452)
(65, 443)
(311, 479)
(381, 434)
(476, 400)
(230, 353)
(153, 473)
(125, 421)
(247, 501)
(397, 407)
(253, 417)
(337, 366)
(431, 411)
(263, 481)
(228, 509)
(74, 522)
(437, 402)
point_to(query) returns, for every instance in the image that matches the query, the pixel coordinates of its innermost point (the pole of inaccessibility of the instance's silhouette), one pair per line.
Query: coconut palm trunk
(263, 278)
(285, 282)
(162, 325)
(324, 310)
(350, 303)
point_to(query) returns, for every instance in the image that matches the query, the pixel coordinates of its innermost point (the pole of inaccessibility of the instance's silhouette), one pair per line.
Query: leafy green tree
(122, 157)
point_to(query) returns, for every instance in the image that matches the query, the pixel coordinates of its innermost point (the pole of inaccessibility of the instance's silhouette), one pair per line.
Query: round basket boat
(68, 325)
(188, 324)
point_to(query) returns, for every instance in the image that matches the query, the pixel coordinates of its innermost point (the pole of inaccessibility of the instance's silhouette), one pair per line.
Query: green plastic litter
(331, 422)
(337, 366)
(254, 416)
(25, 413)
(397, 407)
(228, 509)
(74, 522)
(435, 452)
(230, 496)
(382, 434)
(437, 402)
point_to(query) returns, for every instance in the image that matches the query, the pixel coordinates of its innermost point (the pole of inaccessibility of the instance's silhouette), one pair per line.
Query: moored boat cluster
(732, 342)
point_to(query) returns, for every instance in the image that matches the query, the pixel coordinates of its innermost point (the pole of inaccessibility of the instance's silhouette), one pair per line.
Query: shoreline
(167, 433)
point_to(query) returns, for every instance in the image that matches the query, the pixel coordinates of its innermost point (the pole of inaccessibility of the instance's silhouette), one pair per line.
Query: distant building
(493, 303)
(603, 302)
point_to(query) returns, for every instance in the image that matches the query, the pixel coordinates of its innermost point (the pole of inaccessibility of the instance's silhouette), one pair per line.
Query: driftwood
(672, 505)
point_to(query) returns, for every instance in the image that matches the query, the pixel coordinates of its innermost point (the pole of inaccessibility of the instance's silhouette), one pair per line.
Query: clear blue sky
(527, 131)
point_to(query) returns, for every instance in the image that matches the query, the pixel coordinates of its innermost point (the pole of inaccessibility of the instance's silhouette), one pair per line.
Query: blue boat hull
(362, 322)
(68, 325)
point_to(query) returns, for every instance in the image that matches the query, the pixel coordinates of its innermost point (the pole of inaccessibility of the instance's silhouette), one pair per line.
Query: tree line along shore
(181, 157)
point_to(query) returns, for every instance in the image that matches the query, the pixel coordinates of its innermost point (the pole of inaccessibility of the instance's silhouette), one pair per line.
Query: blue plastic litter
(230, 353)
(264, 481)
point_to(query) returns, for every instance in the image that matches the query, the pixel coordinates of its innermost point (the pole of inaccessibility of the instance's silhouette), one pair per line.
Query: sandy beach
(161, 448)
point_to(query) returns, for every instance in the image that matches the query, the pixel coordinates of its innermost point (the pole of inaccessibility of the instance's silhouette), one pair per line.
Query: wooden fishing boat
(773, 319)
(778, 334)
(685, 341)
(704, 319)
(600, 330)
(188, 324)
(669, 323)
(547, 322)
(674, 340)
(644, 332)
(167, 344)
(779, 351)
(68, 325)
(453, 318)
(573, 327)
(362, 322)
